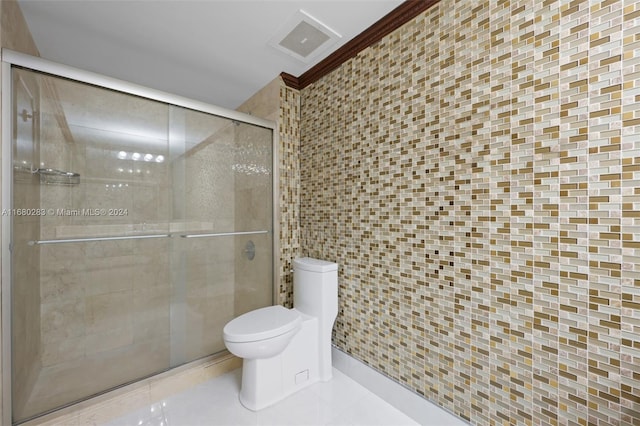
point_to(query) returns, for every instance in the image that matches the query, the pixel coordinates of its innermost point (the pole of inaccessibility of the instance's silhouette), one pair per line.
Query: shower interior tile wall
(89, 292)
(27, 268)
(476, 174)
(253, 284)
(281, 104)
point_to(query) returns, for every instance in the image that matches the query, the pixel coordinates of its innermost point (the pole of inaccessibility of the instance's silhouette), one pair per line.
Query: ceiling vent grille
(304, 37)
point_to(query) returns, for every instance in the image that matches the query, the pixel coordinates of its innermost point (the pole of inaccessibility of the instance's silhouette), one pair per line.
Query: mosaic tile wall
(289, 170)
(476, 174)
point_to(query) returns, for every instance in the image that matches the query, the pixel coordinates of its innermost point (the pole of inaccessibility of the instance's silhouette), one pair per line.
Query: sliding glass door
(139, 229)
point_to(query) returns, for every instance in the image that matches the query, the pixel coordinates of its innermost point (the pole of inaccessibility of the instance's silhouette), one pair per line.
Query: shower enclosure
(135, 225)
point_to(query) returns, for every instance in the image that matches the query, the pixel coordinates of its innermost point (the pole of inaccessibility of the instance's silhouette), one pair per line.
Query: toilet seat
(262, 324)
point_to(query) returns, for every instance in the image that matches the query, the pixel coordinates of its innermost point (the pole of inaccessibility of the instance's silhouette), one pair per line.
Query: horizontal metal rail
(223, 234)
(87, 240)
(141, 237)
(59, 70)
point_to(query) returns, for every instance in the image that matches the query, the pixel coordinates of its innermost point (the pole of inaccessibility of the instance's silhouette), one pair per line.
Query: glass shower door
(91, 296)
(139, 229)
(26, 268)
(223, 213)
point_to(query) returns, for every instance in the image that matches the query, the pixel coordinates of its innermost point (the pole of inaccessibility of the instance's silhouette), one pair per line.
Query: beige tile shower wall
(209, 268)
(26, 278)
(281, 104)
(252, 168)
(475, 174)
(104, 305)
(266, 102)
(86, 285)
(28, 349)
(14, 32)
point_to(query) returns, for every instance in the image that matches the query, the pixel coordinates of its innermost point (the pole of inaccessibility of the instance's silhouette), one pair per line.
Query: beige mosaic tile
(475, 174)
(289, 186)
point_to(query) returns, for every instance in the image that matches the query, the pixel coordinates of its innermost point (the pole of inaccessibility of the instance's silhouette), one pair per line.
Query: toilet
(285, 350)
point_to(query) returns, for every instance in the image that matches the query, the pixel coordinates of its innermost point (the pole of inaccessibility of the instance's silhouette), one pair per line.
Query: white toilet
(285, 350)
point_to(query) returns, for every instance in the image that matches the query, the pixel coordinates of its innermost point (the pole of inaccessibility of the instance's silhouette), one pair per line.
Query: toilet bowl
(262, 333)
(285, 350)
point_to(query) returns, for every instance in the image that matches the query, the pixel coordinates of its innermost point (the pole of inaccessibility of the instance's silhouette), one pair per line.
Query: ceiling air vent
(304, 37)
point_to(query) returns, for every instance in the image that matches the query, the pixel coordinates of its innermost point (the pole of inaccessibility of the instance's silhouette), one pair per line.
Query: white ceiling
(215, 51)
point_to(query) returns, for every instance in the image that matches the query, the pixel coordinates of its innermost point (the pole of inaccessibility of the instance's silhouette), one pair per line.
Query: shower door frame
(11, 58)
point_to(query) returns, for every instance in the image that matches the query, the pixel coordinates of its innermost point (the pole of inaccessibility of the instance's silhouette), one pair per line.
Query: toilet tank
(315, 288)
(315, 293)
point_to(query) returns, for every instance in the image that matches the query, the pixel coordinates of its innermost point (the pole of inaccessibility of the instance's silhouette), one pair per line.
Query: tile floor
(340, 401)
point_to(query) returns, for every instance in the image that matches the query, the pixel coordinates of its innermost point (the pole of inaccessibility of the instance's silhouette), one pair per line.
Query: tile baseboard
(413, 405)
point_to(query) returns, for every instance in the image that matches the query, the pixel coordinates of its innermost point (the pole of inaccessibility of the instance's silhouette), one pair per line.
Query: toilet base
(269, 380)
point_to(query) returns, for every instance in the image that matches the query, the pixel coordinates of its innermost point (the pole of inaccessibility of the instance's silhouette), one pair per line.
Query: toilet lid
(263, 323)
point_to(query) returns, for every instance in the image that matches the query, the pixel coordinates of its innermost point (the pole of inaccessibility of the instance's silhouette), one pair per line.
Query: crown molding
(290, 80)
(386, 25)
